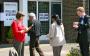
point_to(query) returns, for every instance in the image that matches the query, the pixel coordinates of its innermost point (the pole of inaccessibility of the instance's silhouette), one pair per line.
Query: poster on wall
(43, 16)
(10, 10)
(1, 16)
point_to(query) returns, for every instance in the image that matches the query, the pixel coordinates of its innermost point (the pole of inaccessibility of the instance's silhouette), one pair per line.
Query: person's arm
(29, 28)
(87, 23)
(51, 32)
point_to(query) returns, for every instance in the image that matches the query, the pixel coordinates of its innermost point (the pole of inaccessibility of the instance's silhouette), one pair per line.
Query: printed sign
(43, 16)
(10, 10)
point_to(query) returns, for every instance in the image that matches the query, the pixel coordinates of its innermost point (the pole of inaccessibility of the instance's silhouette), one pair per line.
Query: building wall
(4, 29)
(69, 16)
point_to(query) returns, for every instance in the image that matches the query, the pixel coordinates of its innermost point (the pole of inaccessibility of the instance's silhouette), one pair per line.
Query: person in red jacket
(19, 30)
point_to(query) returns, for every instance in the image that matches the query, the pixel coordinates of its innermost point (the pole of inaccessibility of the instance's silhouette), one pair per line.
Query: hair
(19, 15)
(33, 15)
(81, 9)
(57, 19)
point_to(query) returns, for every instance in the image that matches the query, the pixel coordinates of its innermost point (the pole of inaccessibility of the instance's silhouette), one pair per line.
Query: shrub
(74, 52)
(9, 34)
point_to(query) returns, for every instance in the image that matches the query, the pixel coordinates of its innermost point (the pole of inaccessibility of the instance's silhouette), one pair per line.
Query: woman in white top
(56, 35)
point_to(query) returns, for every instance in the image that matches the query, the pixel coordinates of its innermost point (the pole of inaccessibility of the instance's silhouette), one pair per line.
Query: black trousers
(34, 44)
(84, 44)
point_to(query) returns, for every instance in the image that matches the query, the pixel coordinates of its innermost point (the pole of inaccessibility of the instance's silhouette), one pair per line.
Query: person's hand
(75, 25)
(29, 28)
(22, 31)
(26, 29)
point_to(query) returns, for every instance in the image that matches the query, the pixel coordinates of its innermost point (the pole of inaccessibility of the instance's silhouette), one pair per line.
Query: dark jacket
(36, 29)
(82, 30)
(85, 25)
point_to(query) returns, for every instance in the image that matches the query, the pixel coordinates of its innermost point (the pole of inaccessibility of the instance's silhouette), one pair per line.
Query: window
(32, 6)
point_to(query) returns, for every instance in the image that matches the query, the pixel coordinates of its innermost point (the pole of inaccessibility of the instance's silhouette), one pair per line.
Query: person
(18, 31)
(34, 35)
(82, 26)
(56, 35)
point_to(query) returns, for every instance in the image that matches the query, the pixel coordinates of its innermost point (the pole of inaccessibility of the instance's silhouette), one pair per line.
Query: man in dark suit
(34, 35)
(82, 27)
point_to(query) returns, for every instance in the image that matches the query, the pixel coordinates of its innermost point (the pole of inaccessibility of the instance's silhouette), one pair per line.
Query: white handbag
(13, 52)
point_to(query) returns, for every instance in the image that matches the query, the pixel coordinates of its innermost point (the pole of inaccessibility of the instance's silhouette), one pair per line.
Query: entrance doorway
(44, 10)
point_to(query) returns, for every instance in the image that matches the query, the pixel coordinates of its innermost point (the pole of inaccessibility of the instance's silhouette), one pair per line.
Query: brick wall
(69, 15)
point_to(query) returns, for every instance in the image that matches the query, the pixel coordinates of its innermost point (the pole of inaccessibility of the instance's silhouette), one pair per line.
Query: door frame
(88, 7)
(50, 2)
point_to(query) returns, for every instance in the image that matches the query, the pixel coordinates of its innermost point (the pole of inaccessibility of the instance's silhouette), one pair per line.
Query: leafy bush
(74, 52)
(9, 34)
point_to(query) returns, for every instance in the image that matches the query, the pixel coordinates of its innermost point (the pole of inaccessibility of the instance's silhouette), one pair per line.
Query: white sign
(10, 10)
(1, 16)
(43, 16)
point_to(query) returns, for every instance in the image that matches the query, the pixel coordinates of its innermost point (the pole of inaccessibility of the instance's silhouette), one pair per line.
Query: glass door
(43, 16)
(56, 8)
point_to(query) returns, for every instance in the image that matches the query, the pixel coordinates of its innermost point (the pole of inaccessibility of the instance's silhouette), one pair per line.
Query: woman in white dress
(56, 35)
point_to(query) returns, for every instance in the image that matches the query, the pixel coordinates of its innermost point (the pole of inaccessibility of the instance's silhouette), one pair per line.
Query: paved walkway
(47, 49)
